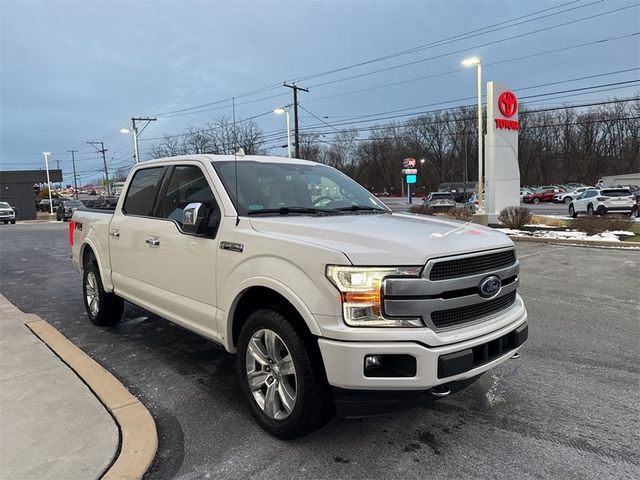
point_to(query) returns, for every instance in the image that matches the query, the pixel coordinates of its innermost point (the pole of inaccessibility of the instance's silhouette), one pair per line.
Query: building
(16, 188)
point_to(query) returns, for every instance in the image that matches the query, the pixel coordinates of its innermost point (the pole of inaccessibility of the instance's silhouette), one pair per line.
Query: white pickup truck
(331, 301)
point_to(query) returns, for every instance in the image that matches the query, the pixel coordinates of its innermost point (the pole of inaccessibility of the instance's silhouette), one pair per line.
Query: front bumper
(4, 216)
(344, 361)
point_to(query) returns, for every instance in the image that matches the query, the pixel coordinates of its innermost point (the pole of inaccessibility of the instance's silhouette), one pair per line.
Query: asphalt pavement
(569, 407)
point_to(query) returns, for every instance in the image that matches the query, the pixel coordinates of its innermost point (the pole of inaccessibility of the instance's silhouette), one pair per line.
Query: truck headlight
(360, 294)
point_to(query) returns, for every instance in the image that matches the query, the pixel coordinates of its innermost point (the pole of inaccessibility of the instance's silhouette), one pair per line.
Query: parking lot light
(470, 62)
(46, 164)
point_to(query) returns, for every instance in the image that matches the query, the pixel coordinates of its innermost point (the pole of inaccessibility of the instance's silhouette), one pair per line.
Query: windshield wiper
(355, 208)
(288, 210)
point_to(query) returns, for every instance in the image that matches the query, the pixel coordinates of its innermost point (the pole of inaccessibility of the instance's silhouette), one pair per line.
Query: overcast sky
(74, 71)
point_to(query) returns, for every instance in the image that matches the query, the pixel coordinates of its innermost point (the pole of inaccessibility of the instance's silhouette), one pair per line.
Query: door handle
(115, 233)
(154, 242)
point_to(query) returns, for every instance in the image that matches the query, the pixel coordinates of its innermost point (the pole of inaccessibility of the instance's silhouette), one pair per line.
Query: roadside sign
(411, 179)
(410, 171)
(409, 163)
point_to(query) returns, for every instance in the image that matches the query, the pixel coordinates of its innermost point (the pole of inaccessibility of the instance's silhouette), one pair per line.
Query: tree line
(555, 145)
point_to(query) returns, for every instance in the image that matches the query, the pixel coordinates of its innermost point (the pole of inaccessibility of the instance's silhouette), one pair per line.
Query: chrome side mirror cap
(193, 217)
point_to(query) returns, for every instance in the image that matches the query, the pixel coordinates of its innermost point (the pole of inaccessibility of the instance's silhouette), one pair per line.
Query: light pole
(46, 164)
(470, 62)
(422, 160)
(134, 133)
(280, 111)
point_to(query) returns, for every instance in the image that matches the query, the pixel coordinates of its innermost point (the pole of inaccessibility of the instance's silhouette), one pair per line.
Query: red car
(543, 196)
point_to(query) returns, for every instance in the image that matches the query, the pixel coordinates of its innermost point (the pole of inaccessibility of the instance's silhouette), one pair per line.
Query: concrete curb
(570, 241)
(138, 435)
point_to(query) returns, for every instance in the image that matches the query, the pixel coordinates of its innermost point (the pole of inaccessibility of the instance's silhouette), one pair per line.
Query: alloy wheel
(91, 293)
(271, 374)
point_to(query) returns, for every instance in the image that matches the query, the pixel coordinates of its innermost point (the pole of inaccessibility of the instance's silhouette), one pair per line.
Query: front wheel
(102, 308)
(572, 212)
(536, 201)
(5, 221)
(282, 376)
(590, 210)
(13, 222)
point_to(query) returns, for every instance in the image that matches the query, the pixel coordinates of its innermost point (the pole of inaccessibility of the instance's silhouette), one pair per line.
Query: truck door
(173, 273)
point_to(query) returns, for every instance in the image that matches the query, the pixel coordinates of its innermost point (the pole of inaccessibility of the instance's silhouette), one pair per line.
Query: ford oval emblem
(490, 286)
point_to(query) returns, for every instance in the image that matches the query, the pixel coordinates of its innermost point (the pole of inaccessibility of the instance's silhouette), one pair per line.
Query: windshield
(4, 205)
(286, 187)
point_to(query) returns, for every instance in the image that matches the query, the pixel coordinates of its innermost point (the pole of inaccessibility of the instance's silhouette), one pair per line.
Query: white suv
(602, 202)
(566, 197)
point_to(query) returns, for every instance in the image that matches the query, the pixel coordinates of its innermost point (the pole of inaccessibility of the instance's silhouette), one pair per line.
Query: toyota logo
(490, 286)
(508, 104)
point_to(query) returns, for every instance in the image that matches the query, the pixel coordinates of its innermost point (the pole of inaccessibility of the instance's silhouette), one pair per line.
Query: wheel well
(256, 298)
(87, 256)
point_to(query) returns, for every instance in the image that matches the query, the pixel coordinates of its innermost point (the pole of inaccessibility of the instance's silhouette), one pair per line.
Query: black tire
(313, 403)
(601, 210)
(109, 307)
(589, 209)
(568, 199)
(13, 222)
(65, 219)
(58, 218)
(572, 212)
(536, 200)
(5, 221)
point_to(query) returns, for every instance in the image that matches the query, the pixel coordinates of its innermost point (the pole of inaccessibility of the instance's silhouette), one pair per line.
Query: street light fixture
(46, 164)
(280, 111)
(470, 62)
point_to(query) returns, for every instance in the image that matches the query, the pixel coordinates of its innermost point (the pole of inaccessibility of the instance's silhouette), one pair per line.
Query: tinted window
(188, 185)
(618, 192)
(142, 192)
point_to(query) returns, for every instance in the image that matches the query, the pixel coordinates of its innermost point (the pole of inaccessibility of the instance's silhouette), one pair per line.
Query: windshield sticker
(256, 206)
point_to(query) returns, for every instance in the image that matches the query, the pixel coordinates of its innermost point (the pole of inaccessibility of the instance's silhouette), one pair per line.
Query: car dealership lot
(568, 408)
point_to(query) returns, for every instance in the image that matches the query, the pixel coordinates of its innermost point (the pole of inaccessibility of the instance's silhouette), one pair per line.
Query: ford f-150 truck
(332, 302)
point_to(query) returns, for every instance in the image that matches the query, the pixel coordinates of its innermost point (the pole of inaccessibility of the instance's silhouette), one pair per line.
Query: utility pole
(134, 133)
(103, 150)
(295, 89)
(75, 180)
(59, 183)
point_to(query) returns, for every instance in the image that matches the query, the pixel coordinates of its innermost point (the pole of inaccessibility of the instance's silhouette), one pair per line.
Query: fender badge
(234, 247)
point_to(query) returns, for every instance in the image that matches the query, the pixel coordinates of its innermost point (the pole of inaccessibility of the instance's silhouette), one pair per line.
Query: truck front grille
(456, 316)
(464, 267)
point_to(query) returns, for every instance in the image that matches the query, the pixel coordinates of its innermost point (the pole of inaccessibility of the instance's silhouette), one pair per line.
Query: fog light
(371, 361)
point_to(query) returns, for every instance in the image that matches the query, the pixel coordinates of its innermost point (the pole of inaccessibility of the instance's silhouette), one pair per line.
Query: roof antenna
(235, 156)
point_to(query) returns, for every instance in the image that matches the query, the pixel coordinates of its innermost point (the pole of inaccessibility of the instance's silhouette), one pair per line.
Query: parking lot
(569, 407)
(399, 204)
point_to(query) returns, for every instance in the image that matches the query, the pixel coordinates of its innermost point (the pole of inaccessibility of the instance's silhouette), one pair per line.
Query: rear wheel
(5, 221)
(102, 308)
(282, 376)
(601, 210)
(567, 199)
(536, 200)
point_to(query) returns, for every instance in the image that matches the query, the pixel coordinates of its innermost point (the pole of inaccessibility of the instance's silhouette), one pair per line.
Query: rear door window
(142, 192)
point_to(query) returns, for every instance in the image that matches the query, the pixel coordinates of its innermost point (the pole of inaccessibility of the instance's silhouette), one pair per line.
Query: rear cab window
(142, 192)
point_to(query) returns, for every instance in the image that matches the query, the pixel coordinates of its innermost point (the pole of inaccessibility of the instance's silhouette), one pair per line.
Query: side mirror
(193, 217)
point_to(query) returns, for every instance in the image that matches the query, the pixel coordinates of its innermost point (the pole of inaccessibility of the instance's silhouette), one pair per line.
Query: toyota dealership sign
(501, 150)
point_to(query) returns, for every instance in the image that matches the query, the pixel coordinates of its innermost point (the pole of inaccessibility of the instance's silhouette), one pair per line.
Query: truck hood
(385, 239)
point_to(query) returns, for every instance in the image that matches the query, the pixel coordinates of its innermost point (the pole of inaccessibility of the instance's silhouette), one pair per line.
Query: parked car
(7, 213)
(440, 201)
(635, 210)
(331, 301)
(542, 196)
(566, 197)
(65, 209)
(43, 206)
(524, 192)
(601, 202)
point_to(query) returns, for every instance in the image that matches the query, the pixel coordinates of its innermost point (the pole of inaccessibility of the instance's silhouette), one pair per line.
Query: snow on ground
(567, 234)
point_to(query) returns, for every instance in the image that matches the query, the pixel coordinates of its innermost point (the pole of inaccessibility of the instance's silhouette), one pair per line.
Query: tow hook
(516, 355)
(440, 391)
